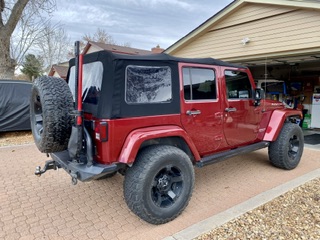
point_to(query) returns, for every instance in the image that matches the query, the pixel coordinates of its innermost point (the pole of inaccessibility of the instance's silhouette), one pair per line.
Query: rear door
(241, 117)
(201, 114)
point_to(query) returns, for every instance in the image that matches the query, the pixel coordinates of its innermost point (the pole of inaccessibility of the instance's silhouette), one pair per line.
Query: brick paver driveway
(49, 207)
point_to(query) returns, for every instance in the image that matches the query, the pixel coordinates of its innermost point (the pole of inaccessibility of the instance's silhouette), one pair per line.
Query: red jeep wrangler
(152, 118)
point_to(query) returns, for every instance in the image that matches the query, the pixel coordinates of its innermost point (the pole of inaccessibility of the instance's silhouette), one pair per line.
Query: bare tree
(54, 46)
(99, 36)
(25, 14)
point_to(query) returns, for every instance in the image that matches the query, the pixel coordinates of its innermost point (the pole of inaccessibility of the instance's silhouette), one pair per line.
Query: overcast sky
(142, 23)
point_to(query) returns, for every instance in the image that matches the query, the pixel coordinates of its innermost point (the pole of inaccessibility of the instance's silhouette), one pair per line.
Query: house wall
(56, 75)
(272, 30)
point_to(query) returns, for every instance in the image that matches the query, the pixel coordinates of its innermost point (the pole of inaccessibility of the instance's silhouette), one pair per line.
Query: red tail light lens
(101, 131)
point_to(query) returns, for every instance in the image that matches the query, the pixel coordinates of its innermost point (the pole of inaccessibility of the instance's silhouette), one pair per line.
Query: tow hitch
(51, 164)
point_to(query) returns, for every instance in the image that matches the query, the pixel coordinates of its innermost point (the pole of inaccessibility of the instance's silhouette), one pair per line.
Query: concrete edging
(238, 210)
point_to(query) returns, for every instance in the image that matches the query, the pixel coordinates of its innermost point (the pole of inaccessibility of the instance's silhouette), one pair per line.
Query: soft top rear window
(91, 83)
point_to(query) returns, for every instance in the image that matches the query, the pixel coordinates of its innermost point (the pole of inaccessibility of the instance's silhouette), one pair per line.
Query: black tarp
(14, 105)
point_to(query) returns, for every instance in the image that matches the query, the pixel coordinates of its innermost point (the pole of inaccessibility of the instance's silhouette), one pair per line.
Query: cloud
(143, 23)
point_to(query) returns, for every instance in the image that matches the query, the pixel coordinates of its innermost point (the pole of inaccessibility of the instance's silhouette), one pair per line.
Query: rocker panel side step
(218, 157)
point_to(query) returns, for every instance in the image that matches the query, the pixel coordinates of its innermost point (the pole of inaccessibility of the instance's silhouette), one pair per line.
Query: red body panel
(137, 137)
(124, 133)
(205, 129)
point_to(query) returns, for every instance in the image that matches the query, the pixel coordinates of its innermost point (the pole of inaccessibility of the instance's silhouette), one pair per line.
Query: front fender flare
(137, 137)
(276, 122)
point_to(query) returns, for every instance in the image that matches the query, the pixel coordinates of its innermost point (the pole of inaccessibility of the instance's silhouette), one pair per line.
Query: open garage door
(294, 80)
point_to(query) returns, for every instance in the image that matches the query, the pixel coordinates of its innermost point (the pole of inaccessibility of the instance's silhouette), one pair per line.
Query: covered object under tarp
(14, 105)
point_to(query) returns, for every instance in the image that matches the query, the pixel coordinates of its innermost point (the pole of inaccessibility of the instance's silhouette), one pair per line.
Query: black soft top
(106, 55)
(112, 101)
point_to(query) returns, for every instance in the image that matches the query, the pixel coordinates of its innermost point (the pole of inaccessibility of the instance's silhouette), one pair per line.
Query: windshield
(91, 82)
(273, 87)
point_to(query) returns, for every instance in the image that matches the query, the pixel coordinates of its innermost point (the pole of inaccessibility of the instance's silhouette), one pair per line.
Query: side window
(199, 83)
(238, 85)
(91, 83)
(148, 84)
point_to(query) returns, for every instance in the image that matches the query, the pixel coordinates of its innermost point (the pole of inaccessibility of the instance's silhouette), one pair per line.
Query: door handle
(230, 109)
(193, 112)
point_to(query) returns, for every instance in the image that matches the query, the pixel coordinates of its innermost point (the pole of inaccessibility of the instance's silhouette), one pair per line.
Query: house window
(199, 83)
(148, 84)
(238, 85)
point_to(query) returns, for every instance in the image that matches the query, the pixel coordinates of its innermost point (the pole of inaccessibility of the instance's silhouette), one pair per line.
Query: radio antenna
(265, 83)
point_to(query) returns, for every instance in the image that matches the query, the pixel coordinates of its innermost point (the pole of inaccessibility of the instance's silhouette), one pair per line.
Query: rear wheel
(159, 185)
(50, 106)
(287, 150)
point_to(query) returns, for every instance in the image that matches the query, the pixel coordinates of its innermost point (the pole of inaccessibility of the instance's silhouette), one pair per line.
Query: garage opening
(294, 81)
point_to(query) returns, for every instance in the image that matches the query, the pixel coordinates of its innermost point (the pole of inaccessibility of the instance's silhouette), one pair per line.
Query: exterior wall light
(245, 41)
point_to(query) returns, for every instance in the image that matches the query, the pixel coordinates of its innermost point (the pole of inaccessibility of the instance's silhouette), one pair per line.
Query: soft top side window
(148, 84)
(238, 85)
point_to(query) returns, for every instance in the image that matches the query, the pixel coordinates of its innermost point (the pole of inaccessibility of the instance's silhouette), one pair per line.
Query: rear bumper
(83, 172)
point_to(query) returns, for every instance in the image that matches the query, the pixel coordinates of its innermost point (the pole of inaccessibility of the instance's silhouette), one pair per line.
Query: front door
(241, 117)
(201, 114)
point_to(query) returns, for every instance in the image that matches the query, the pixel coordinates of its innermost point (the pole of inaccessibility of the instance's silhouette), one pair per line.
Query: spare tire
(51, 105)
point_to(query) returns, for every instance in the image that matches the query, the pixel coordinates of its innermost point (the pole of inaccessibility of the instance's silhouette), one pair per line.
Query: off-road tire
(50, 106)
(287, 150)
(159, 185)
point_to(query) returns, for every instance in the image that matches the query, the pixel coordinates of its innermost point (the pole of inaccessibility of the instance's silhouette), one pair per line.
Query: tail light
(101, 131)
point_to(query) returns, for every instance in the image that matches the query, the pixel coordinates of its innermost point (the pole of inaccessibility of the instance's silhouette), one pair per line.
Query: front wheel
(287, 150)
(159, 185)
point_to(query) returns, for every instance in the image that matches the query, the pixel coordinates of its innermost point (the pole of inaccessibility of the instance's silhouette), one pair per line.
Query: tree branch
(1, 10)
(15, 16)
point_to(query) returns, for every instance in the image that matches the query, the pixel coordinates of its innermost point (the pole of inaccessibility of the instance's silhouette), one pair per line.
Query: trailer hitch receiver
(51, 164)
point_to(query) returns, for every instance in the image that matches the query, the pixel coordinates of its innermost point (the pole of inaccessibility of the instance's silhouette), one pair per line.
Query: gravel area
(15, 138)
(294, 215)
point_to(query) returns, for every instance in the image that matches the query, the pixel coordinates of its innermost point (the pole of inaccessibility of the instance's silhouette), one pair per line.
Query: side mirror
(258, 95)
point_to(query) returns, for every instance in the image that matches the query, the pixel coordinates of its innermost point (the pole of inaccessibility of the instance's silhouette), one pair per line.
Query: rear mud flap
(75, 142)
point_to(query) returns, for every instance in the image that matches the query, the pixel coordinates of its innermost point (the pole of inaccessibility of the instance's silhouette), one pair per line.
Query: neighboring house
(59, 70)
(97, 46)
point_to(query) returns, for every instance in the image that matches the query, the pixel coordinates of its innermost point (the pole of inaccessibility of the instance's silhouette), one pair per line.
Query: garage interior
(293, 80)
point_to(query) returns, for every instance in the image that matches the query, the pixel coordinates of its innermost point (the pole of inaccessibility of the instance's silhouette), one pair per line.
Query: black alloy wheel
(167, 186)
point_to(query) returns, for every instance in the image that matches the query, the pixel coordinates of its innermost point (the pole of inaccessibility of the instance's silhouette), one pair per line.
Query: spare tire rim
(294, 146)
(167, 186)
(38, 116)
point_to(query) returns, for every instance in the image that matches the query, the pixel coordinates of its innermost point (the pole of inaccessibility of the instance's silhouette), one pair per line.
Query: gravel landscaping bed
(294, 215)
(16, 138)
